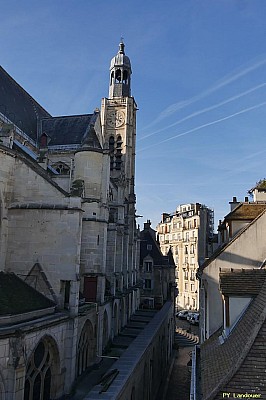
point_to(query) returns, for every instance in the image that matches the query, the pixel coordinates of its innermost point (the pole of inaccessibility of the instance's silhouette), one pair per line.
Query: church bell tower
(118, 116)
(118, 120)
(120, 74)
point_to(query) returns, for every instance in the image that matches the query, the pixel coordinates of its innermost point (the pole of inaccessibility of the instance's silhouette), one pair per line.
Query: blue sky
(199, 79)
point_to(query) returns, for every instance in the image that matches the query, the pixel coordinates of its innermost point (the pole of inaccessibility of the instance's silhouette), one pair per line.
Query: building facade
(231, 360)
(157, 271)
(188, 232)
(67, 232)
(242, 246)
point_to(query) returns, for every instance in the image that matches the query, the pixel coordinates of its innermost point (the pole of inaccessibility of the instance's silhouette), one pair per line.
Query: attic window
(148, 266)
(149, 246)
(147, 284)
(43, 140)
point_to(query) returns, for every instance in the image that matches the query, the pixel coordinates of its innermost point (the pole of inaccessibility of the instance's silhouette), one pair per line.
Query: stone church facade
(69, 248)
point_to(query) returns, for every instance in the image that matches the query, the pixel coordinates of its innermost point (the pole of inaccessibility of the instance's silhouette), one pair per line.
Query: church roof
(17, 297)
(18, 106)
(72, 129)
(28, 115)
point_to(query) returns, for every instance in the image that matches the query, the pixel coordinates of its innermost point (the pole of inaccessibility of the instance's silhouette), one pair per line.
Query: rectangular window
(149, 246)
(148, 266)
(186, 287)
(147, 284)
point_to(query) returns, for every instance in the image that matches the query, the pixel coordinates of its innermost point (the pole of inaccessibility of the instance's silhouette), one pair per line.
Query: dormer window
(149, 246)
(148, 266)
(43, 140)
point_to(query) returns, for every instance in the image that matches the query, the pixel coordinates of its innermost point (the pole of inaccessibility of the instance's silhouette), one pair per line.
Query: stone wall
(141, 365)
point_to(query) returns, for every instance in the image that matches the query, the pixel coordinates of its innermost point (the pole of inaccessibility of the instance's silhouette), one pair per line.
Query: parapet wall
(143, 364)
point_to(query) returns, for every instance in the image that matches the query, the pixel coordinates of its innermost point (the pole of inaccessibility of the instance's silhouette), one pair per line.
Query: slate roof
(148, 236)
(19, 106)
(239, 364)
(242, 282)
(73, 129)
(28, 115)
(17, 297)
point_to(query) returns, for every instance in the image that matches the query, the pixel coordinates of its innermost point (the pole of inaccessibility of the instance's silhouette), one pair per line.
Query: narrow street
(178, 387)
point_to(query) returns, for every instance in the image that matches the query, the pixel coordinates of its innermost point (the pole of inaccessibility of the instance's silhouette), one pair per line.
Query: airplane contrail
(225, 81)
(206, 125)
(204, 110)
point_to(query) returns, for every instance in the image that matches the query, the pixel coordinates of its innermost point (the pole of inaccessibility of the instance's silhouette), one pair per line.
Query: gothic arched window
(86, 348)
(38, 374)
(61, 168)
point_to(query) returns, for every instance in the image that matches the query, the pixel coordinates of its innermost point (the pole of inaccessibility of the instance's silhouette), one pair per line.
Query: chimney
(164, 216)
(234, 203)
(147, 225)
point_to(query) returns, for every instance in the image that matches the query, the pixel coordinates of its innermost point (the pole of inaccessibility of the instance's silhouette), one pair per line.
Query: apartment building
(189, 233)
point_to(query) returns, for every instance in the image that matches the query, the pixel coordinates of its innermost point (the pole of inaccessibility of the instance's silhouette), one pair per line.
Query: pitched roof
(224, 246)
(246, 211)
(17, 297)
(231, 364)
(18, 106)
(148, 237)
(28, 115)
(242, 282)
(72, 129)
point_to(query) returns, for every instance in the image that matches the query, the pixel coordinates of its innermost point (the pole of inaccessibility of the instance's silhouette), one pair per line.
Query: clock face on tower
(115, 119)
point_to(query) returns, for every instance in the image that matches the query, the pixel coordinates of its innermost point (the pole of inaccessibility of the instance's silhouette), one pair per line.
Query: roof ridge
(251, 339)
(69, 116)
(226, 245)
